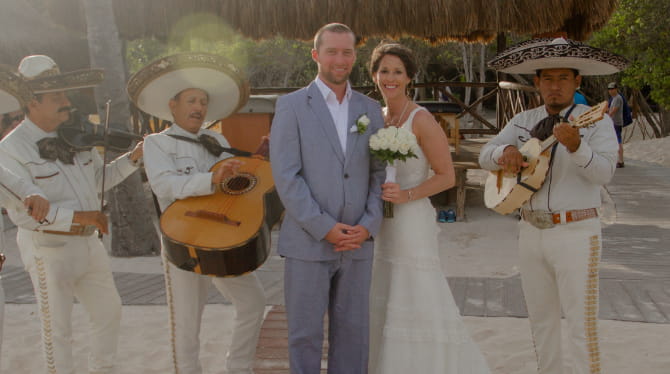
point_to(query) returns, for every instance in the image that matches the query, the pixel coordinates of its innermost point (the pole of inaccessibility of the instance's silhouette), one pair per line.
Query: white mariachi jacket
(15, 189)
(574, 180)
(178, 169)
(68, 188)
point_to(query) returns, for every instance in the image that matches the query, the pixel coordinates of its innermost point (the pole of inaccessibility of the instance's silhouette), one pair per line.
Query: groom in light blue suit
(330, 187)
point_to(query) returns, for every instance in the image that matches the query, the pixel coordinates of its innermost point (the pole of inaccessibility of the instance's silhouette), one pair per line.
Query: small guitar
(226, 233)
(506, 193)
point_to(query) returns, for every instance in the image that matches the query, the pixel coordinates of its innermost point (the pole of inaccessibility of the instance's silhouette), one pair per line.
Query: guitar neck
(548, 143)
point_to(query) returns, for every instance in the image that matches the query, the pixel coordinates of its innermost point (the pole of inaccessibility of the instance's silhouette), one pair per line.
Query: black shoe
(619, 164)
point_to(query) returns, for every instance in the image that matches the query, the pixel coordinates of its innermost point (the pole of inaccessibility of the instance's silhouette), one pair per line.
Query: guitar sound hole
(239, 184)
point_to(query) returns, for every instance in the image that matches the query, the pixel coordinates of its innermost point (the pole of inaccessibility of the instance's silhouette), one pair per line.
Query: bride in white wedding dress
(415, 325)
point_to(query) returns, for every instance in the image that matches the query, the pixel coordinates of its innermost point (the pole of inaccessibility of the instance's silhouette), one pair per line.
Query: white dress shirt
(574, 179)
(68, 188)
(338, 111)
(13, 189)
(178, 169)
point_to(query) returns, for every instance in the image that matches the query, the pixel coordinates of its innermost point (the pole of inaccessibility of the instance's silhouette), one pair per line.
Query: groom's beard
(333, 79)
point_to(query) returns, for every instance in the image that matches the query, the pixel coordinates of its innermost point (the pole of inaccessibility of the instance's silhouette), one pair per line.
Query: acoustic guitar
(505, 193)
(227, 233)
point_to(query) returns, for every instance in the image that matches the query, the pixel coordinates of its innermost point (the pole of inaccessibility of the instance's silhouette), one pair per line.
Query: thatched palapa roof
(24, 31)
(473, 20)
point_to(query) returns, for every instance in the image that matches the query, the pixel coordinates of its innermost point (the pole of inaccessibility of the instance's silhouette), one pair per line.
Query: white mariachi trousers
(186, 297)
(61, 268)
(559, 272)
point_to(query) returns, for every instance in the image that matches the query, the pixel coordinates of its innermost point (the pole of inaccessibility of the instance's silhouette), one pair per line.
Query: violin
(82, 135)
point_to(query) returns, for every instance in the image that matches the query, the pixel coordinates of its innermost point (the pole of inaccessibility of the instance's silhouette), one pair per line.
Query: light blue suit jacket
(318, 184)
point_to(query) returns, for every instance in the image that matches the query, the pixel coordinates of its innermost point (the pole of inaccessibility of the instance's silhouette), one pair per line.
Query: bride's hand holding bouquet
(392, 144)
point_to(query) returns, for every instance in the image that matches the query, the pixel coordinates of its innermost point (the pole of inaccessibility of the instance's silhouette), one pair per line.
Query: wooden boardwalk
(634, 276)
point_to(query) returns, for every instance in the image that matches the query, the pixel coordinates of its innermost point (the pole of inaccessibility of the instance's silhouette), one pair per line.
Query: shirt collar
(34, 132)
(561, 113)
(326, 91)
(177, 130)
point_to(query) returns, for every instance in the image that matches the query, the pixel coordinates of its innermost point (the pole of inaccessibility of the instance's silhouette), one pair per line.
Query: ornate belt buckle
(541, 220)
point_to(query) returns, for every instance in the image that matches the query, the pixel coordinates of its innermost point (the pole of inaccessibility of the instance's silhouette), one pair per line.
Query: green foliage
(280, 62)
(640, 31)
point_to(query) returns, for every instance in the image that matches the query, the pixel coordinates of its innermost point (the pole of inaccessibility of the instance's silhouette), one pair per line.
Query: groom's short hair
(332, 27)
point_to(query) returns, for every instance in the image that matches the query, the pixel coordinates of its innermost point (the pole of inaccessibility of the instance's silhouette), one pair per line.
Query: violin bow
(11, 193)
(104, 160)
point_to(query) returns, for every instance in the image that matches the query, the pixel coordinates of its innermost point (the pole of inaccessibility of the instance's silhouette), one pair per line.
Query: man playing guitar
(177, 167)
(559, 234)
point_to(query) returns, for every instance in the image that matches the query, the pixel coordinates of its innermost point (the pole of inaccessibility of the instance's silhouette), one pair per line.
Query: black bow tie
(211, 144)
(545, 127)
(53, 149)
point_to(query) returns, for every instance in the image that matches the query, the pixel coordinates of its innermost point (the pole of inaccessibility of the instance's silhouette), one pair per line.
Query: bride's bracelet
(409, 195)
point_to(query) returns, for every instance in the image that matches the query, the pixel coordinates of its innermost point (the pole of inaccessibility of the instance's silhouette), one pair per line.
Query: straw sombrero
(559, 53)
(43, 75)
(14, 92)
(153, 86)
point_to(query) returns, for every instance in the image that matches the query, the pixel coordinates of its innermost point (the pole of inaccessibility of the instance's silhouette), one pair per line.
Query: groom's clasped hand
(346, 238)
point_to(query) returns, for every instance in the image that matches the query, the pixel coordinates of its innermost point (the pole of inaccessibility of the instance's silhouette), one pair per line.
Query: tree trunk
(482, 75)
(132, 216)
(466, 120)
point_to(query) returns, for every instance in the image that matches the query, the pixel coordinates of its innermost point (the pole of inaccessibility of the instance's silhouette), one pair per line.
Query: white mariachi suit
(12, 185)
(63, 265)
(559, 265)
(177, 169)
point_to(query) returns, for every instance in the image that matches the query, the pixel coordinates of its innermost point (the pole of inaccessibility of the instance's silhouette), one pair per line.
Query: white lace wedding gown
(415, 325)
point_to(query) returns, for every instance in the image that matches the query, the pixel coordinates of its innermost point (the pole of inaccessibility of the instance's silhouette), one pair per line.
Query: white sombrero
(14, 92)
(558, 53)
(43, 75)
(154, 85)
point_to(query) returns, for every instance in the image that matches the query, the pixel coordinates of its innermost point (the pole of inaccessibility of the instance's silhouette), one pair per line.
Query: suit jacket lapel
(355, 111)
(318, 106)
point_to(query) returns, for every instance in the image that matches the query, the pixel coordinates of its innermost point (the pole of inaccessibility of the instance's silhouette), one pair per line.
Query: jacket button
(346, 175)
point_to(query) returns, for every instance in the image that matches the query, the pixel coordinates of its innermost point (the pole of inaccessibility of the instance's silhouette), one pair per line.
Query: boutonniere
(361, 124)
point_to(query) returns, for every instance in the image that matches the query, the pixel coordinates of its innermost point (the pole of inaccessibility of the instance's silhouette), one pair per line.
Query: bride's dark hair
(390, 48)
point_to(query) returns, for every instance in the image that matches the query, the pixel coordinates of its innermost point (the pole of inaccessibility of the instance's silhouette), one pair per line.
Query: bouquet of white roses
(392, 144)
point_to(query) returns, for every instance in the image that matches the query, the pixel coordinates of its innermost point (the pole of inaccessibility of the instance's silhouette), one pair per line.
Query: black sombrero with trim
(557, 53)
(152, 87)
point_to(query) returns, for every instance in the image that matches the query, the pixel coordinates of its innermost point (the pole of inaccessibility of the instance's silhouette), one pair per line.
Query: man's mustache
(66, 109)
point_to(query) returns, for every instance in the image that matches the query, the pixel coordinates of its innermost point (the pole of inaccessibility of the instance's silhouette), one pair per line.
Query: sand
(469, 250)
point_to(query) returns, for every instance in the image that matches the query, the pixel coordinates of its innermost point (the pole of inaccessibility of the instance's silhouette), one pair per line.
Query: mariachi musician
(560, 237)
(189, 89)
(61, 254)
(14, 192)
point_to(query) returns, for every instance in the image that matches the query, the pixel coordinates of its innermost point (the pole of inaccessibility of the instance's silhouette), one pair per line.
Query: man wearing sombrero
(190, 89)
(14, 192)
(559, 233)
(62, 255)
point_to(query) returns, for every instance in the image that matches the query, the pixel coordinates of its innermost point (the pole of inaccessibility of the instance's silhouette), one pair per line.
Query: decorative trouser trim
(591, 306)
(171, 317)
(47, 333)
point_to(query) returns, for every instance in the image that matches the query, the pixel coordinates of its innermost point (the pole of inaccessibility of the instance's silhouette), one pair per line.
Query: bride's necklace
(395, 121)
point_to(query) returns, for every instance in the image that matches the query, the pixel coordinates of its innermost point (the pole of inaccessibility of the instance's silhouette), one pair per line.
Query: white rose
(364, 120)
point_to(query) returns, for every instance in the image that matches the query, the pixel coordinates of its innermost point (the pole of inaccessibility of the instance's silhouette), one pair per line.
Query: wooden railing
(511, 98)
